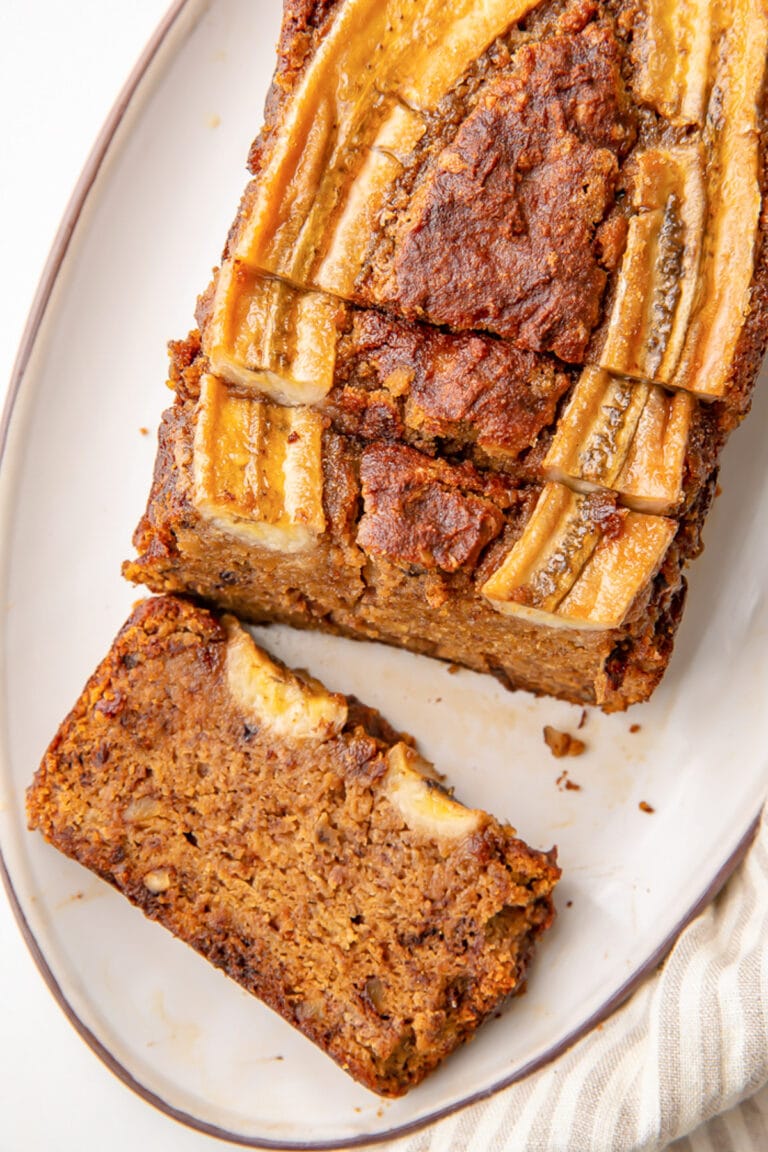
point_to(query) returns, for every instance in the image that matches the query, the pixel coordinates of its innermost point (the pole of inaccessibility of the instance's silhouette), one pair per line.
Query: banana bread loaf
(491, 306)
(293, 839)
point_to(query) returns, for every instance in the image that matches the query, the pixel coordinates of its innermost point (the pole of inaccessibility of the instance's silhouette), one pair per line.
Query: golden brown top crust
(503, 231)
(417, 512)
(459, 386)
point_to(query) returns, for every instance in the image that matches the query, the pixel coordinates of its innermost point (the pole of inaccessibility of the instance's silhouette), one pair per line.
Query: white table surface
(63, 64)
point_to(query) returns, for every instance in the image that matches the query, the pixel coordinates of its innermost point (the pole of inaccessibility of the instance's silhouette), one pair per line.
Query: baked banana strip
(257, 469)
(575, 567)
(626, 437)
(376, 57)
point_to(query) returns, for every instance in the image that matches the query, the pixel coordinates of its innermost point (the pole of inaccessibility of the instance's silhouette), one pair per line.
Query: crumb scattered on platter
(565, 784)
(562, 743)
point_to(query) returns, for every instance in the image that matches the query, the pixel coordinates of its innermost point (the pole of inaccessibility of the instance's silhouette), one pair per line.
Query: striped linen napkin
(688, 1046)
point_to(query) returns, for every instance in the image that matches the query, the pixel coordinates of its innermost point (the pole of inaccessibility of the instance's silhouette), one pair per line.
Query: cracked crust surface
(463, 388)
(502, 231)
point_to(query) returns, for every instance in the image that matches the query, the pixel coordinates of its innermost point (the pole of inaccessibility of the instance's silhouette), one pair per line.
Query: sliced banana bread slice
(290, 836)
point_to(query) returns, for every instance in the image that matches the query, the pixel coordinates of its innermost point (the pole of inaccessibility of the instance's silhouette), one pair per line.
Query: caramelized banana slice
(257, 469)
(651, 479)
(621, 435)
(412, 787)
(672, 46)
(619, 571)
(287, 704)
(579, 563)
(357, 221)
(352, 121)
(700, 56)
(596, 430)
(376, 53)
(558, 540)
(265, 336)
(659, 271)
(734, 204)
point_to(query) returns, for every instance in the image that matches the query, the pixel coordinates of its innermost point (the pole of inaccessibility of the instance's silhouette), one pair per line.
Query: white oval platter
(141, 236)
